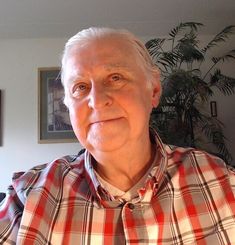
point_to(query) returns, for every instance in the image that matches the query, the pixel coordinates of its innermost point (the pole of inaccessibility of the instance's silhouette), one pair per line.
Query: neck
(124, 168)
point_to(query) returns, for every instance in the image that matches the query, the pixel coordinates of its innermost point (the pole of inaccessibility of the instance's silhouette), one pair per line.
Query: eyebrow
(115, 66)
(73, 78)
(108, 67)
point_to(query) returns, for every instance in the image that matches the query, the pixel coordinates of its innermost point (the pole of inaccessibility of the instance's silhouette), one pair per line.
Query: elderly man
(127, 187)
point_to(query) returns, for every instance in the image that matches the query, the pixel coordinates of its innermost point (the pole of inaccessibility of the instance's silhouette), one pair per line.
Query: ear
(156, 91)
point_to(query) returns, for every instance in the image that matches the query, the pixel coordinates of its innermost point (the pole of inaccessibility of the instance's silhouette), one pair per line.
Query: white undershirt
(132, 192)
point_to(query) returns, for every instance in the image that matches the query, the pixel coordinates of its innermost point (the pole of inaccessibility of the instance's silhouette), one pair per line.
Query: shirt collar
(154, 179)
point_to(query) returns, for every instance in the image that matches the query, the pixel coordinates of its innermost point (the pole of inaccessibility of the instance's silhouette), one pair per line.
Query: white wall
(19, 60)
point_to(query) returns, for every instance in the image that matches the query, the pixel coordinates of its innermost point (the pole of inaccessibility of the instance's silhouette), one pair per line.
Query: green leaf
(189, 53)
(154, 46)
(220, 37)
(230, 55)
(192, 25)
(224, 83)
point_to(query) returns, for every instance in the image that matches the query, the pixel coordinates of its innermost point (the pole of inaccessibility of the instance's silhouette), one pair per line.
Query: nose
(99, 97)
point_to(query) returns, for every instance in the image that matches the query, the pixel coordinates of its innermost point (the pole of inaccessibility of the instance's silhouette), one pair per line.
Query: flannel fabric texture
(188, 198)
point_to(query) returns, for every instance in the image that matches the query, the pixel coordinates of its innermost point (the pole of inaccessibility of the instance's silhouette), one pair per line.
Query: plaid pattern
(188, 199)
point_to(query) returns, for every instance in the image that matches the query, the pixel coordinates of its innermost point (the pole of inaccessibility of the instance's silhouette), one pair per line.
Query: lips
(107, 120)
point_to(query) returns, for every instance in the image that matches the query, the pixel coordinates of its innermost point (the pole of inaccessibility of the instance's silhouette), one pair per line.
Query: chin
(106, 144)
(103, 148)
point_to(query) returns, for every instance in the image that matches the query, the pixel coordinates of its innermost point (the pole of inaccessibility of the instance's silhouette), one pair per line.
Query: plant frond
(167, 60)
(210, 125)
(189, 38)
(169, 57)
(202, 88)
(219, 141)
(190, 53)
(220, 37)
(224, 83)
(192, 25)
(212, 128)
(228, 56)
(177, 81)
(166, 65)
(154, 45)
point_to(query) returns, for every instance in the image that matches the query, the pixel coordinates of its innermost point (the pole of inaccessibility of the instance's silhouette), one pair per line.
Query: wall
(19, 60)
(225, 104)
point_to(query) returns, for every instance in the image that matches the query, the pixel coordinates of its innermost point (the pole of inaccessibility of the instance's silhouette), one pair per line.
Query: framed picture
(53, 118)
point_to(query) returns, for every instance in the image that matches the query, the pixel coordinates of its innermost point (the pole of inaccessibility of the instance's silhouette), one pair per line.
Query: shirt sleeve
(13, 206)
(11, 209)
(231, 171)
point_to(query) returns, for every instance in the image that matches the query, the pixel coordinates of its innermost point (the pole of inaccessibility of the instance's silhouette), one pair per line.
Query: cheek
(77, 117)
(138, 109)
(143, 100)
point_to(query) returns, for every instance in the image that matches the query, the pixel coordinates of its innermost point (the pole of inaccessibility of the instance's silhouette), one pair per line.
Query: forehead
(109, 52)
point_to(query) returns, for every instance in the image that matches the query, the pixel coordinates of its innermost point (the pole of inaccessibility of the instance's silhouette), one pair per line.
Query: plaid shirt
(188, 198)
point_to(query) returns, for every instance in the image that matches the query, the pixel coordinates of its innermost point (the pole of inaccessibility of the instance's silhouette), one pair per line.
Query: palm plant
(181, 118)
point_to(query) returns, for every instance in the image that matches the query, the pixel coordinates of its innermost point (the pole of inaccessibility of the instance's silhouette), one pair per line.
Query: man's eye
(80, 89)
(115, 78)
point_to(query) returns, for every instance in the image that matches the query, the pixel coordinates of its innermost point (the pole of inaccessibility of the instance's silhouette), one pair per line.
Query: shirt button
(131, 206)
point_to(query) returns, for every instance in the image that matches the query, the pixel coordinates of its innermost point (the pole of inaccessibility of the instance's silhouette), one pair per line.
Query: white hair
(81, 38)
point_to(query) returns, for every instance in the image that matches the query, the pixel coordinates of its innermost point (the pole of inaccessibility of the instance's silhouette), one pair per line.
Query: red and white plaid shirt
(188, 198)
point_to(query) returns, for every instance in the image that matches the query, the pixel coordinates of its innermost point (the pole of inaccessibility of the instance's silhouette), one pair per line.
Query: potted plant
(189, 78)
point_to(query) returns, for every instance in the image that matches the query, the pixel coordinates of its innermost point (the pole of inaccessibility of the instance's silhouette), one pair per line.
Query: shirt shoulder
(200, 165)
(189, 156)
(47, 176)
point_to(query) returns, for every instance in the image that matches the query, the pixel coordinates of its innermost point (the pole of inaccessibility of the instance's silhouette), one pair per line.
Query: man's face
(109, 94)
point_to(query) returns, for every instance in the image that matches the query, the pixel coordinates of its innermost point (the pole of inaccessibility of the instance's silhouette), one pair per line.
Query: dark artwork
(58, 116)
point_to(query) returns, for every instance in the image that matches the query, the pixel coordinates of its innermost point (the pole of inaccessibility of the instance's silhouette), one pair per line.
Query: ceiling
(63, 18)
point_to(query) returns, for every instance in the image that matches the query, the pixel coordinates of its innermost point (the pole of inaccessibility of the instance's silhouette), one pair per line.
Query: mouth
(106, 121)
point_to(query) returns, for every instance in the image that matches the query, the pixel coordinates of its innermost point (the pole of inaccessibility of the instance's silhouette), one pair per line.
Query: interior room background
(19, 61)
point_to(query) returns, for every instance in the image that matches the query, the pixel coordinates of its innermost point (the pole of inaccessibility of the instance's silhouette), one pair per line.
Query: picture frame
(53, 117)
